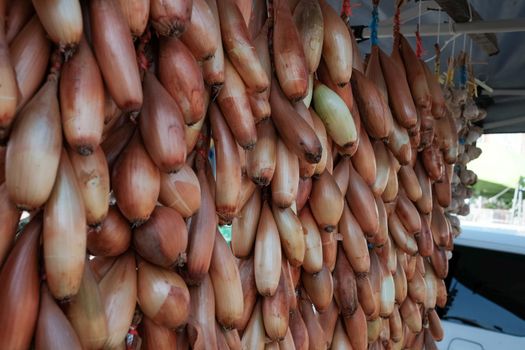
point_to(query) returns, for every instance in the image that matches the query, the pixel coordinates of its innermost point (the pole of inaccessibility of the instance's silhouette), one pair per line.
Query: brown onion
(35, 143)
(356, 329)
(340, 340)
(136, 182)
(287, 343)
(408, 214)
(291, 234)
(409, 181)
(8, 89)
(170, 17)
(415, 76)
(308, 19)
(328, 320)
(389, 195)
(64, 233)
(19, 298)
(261, 161)
(299, 331)
(62, 21)
(157, 337)
(354, 242)
(162, 295)
(313, 256)
(181, 75)
(320, 288)
(197, 34)
(249, 290)
(345, 288)
(9, 217)
(136, 13)
(213, 68)
(181, 191)
(436, 94)
(401, 237)
(191, 135)
(201, 322)
(285, 180)
(424, 204)
(254, 335)
(115, 143)
(303, 192)
(115, 54)
(112, 238)
(244, 226)
(411, 315)
(382, 168)
(326, 202)
(17, 14)
(92, 176)
(364, 160)
(362, 203)
(289, 55)
(163, 239)
(224, 274)
(161, 125)
(275, 310)
(316, 336)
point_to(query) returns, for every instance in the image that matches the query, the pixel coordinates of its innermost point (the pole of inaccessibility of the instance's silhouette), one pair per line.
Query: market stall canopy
(496, 33)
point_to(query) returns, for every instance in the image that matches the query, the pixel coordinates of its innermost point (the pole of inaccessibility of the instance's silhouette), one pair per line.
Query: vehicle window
(487, 290)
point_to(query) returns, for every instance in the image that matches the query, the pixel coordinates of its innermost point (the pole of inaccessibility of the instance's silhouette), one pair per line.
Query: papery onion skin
(285, 181)
(213, 68)
(313, 257)
(82, 101)
(276, 311)
(197, 34)
(19, 297)
(299, 331)
(291, 234)
(170, 18)
(354, 242)
(157, 337)
(315, 331)
(249, 290)
(35, 143)
(319, 287)
(254, 336)
(112, 238)
(181, 191)
(261, 161)
(9, 217)
(115, 54)
(309, 21)
(8, 89)
(362, 203)
(326, 202)
(136, 13)
(202, 315)
(18, 13)
(244, 226)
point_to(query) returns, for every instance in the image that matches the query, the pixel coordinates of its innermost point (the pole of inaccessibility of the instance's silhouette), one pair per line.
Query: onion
(356, 329)
(118, 290)
(226, 281)
(115, 143)
(341, 174)
(320, 288)
(213, 68)
(329, 243)
(299, 331)
(29, 54)
(399, 144)
(202, 315)
(9, 217)
(381, 237)
(82, 101)
(267, 254)
(92, 176)
(303, 192)
(320, 131)
(378, 121)
(443, 191)
(239, 47)
(197, 34)
(157, 337)
(19, 297)
(222, 344)
(259, 102)
(424, 204)
(18, 13)
(287, 343)
(409, 181)
(244, 226)
(170, 17)
(295, 131)
(163, 239)
(326, 202)
(387, 296)
(289, 55)
(335, 116)
(401, 237)
(162, 295)
(435, 327)
(361, 202)
(442, 296)
(275, 310)
(254, 334)
(136, 12)
(249, 290)
(113, 117)
(411, 315)
(392, 186)
(424, 239)
(340, 340)
(344, 92)
(53, 330)
(439, 225)
(354, 242)
(328, 321)
(307, 100)
(316, 337)
(235, 106)
(201, 234)
(64, 233)
(181, 76)
(115, 54)
(407, 213)
(291, 234)
(308, 19)
(100, 266)
(161, 125)
(374, 72)
(290, 285)
(415, 76)
(345, 288)
(228, 173)
(8, 89)
(337, 45)
(433, 162)
(181, 191)
(136, 182)
(112, 238)
(306, 169)
(191, 135)
(411, 264)
(285, 180)
(395, 325)
(261, 161)
(382, 160)
(85, 311)
(430, 280)
(313, 256)
(364, 159)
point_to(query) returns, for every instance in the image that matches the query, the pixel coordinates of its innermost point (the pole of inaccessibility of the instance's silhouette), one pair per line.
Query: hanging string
(419, 42)
(397, 23)
(450, 66)
(437, 49)
(374, 23)
(439, 25)
(463, 69)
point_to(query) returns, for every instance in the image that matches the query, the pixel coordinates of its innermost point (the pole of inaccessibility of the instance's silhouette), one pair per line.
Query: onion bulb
(345, 287)
(170, 17)
(19, 297)
(201, 322)
(8, 89)
(356, 329)
(362, 203)
(17, 14)
(249, 290)
(364, 159)
(181, 191)
(261, 161)
(354, 242)
(259, 102)
(197, 34)
(299, 331)
(112, 237)
(136, 13)
(315, 331)
(291, 234)
(162, 295)
(415, 76)
(308, 19)
(136, 182)
(244, 226)
(285, 180)
(213, 68)
(326, 202)
(254, 336)
(64, 233)
(157, 337)
(9, 217)
(313, 257)
(275, 311)
(319, 287)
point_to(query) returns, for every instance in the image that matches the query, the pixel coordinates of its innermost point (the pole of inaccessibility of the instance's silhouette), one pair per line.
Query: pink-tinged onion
(181, 75)
(197, 34)
(92, 176)
(157, 337)
(313, 256)
(408, 214)
(191, 135)
(424, 204)
(249, 290)
(409, 181)
(163, 239)
(161, 125)
(362, 203)
(320, 288)
(136, 182)
(415, 76)
(213, 68)
(64, 233)
(261, 161)
(328, 320)
(308, 19)
(239, 47)
(411, 315)
(354, 242)
(136, 13)
(19, 297)
(115, 143)
(316, 336)
(115, 54)
(224, 274)
(9, 217)
(18, 13)
(181, 191)
(276, 309)
(244, 226)
(291, 233)
(201, 321)
(299, 331)
(356, 329)
(382, 160)
(399, 144)
(8, 89)
(170, 17)
(326, 202)
(285, 180)
(364, 159)
(345, 287)
(287, 343)
(162, 295)
(259, 102)
(62, 20)
(303, 193)
(254, 336)
(112, 238)
(401, 237)
(267, 254)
